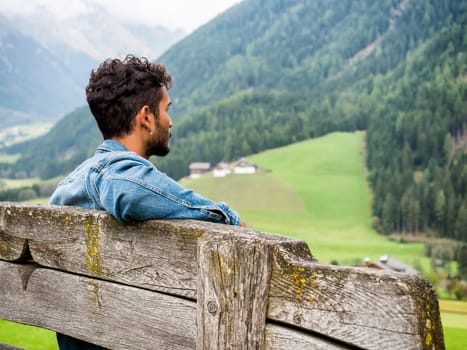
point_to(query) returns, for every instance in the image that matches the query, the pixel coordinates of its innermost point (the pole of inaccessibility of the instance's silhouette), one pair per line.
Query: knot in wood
(212, 307)
(297, 318)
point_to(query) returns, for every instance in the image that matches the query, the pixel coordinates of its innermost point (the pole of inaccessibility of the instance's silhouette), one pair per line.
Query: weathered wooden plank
(367, 308)
(371, 309)
(12, 248)
(232, 292)
(9, 347)
(284, 338)
(104, 313)
(113, 315)
(158, 255)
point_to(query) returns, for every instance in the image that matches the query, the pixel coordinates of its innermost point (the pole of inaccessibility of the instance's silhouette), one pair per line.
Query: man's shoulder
(124, 165)
(112, 161)
(111, 152)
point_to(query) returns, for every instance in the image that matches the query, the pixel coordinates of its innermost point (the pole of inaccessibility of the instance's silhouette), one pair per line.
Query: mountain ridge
(46, 60)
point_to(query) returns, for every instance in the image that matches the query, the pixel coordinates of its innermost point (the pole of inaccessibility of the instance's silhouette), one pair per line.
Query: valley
(314, 190)
(355, 112)
(317, 191)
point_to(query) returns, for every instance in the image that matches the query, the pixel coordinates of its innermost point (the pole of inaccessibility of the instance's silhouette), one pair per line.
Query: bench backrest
(181, 284)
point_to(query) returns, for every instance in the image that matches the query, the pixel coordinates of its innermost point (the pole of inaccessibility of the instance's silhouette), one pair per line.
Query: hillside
(288, 85)
(274, 45)
(315, 190)
(71, 140)
(270, 73)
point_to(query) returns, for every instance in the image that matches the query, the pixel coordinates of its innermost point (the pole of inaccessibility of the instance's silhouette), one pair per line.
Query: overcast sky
(172, 14)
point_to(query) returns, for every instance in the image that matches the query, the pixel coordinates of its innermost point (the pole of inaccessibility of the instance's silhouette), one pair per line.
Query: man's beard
(158, 145)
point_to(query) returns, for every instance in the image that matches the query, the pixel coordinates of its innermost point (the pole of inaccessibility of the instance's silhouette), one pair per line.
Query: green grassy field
(316, 191)
(454, 318)
(17, 183)
(9, 158)
(16, 134)
(27, 337)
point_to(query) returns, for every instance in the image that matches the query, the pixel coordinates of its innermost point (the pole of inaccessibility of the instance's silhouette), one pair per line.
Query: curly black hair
(118, 89)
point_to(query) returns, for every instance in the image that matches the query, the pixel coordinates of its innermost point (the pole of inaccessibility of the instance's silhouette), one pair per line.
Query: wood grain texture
(114, 315)
(371, 309)
(243, 275)
(284, 338)
(101, 312)
(232, 292)
(158, 255)
(12, 248)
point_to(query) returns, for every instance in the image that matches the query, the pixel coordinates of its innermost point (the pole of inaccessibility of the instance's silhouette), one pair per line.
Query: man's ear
(144, 118)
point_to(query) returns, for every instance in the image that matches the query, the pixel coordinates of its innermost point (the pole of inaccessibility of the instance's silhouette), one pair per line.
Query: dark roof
(243, 163)
(222, 165)
(386, 262)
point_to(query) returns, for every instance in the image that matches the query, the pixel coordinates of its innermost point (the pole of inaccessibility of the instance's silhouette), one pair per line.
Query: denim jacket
(132, 189)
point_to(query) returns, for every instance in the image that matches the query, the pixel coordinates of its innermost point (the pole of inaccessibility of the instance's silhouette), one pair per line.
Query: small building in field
(199, 168)
(244, 167)
(387, 263)
(222, 169)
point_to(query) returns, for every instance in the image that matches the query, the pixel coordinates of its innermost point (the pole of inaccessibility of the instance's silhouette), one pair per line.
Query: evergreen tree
(461, 224)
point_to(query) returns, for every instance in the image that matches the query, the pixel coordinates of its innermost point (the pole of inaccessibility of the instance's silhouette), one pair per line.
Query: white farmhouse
(222, 169)
(199, 168)
(244, 167)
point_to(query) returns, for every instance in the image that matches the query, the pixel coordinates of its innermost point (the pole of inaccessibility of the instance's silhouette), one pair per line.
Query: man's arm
(141, 192)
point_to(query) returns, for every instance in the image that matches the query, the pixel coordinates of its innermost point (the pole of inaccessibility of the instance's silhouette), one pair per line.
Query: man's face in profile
(158, 144)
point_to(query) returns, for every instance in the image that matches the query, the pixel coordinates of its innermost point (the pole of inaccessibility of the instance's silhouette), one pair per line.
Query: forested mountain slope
(417, 149)
(273, 45)
(269, 73)
(68, 143)
(305, 69)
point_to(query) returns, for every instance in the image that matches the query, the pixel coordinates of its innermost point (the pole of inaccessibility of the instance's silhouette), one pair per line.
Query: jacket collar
(110, 146)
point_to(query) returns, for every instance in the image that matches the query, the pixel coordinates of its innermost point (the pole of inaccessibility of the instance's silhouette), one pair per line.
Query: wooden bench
(181, 284)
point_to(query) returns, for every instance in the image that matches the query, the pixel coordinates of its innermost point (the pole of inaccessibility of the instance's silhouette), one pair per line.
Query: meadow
(7, 158)
(16, 134)
(27, 337)
(315, 191)
(454, 319)
(18, 183)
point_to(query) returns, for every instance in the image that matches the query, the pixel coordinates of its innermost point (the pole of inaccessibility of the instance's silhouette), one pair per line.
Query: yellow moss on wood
(93, 259)
(428, 316)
